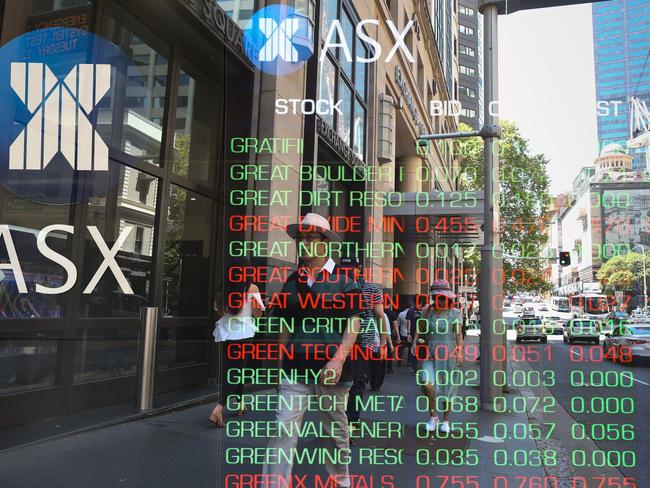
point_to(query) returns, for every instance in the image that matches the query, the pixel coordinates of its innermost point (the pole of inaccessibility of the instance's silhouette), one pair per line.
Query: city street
(181, 447)
(583, 363)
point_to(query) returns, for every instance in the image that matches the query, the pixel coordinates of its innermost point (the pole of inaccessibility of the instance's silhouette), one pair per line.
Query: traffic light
(565, 258)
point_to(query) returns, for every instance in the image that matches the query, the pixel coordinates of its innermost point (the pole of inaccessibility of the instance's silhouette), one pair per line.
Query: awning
(434, 217)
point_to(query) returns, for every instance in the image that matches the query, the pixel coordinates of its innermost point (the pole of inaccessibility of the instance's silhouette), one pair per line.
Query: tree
(524, 199)
(623, 273)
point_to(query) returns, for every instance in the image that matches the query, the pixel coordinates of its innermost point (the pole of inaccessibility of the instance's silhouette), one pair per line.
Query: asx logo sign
(336, 31)
(59, 122)
(278, 39)
(282, 39)
(59, 117)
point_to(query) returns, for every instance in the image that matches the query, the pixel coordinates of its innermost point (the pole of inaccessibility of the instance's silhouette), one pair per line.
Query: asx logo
(59, 121)
(336, 32)
(283, 39)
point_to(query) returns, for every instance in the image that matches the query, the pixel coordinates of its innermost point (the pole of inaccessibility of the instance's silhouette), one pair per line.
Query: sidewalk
(182, 449)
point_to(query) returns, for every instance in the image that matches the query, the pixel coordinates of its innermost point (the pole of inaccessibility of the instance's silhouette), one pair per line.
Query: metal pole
(493, 330)
(146, 357)
(645, 283)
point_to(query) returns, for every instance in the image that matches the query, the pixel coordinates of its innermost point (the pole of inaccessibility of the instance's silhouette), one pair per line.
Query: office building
(622, 69)
(470, 63)
(174, 118)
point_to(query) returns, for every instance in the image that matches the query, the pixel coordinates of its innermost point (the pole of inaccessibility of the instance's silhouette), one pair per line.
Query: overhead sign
(511, 6)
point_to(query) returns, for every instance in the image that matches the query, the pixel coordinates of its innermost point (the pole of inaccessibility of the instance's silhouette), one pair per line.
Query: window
(130, 127)
(468, 31)
(240, 11)
(187, 254)
(470, 92)
(466, 70)
(130, 210)
(197, 121)
(468, 113)
(343, 79)
(466, 10)
(467, 51)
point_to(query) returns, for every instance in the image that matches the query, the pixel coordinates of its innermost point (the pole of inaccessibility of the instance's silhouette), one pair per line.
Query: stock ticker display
(570, 401)
(333, 229)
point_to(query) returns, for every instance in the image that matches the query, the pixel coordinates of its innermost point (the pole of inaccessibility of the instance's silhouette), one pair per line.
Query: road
(574, 375)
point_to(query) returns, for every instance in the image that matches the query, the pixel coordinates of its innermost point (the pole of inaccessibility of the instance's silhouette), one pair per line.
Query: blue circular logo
(56, 91)
(282, 39)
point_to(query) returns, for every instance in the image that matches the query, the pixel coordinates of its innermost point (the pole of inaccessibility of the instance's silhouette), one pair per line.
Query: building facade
(470, 61)
(606, 215)
(621, 49)
(203, 167)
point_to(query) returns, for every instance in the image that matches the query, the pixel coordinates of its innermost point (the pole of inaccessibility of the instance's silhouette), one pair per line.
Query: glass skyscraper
(621, 46)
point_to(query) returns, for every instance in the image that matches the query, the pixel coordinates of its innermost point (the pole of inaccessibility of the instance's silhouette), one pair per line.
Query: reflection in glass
(26, 219)
(182, 346)
(327, 87)
(27, 363)
(346, 59)
(132, 112)
(187, 254)
(239, 10)
(132, 205)
(75, 14)
(359, 130)
(47, 6)
(328, 13)
(102, 354)
(345, 94)
(360, 70)
(195, 137)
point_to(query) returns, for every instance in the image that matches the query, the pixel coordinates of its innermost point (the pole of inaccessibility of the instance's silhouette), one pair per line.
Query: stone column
(407, 180)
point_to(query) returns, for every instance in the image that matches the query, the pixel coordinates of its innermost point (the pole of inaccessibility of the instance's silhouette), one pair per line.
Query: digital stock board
(325, 243)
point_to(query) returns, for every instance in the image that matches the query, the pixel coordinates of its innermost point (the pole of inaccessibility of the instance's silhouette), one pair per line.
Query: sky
(547, 86)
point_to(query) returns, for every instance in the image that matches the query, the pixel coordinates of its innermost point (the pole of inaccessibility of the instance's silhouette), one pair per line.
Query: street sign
(512, 6)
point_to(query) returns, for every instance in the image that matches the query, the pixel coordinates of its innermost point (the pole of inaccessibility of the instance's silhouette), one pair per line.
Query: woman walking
(237, 325)
(445, 355)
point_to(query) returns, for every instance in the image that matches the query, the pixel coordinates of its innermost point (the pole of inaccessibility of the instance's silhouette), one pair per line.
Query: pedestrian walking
(404, 331)
(445, 347)
(393, 338)
(369, 340)
(235, 327)
(322, 382)
(379, 362)
(412, 316)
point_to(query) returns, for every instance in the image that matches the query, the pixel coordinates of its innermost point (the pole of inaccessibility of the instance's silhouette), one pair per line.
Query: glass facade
(621, 47)
(155, 224)
(343, 78)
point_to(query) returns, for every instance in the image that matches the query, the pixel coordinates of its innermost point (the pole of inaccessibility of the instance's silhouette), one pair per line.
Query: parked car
(634, 336)
(518, 307)
(553, 324)
(529, 327)
(582, 330)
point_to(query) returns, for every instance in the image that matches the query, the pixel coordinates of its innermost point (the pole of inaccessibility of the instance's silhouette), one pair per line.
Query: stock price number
(525, 457)
(520, 431)
(603, 432)
(446, 457)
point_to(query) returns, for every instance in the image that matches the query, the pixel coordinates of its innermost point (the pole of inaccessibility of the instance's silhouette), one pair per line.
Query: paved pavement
(182, 449)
